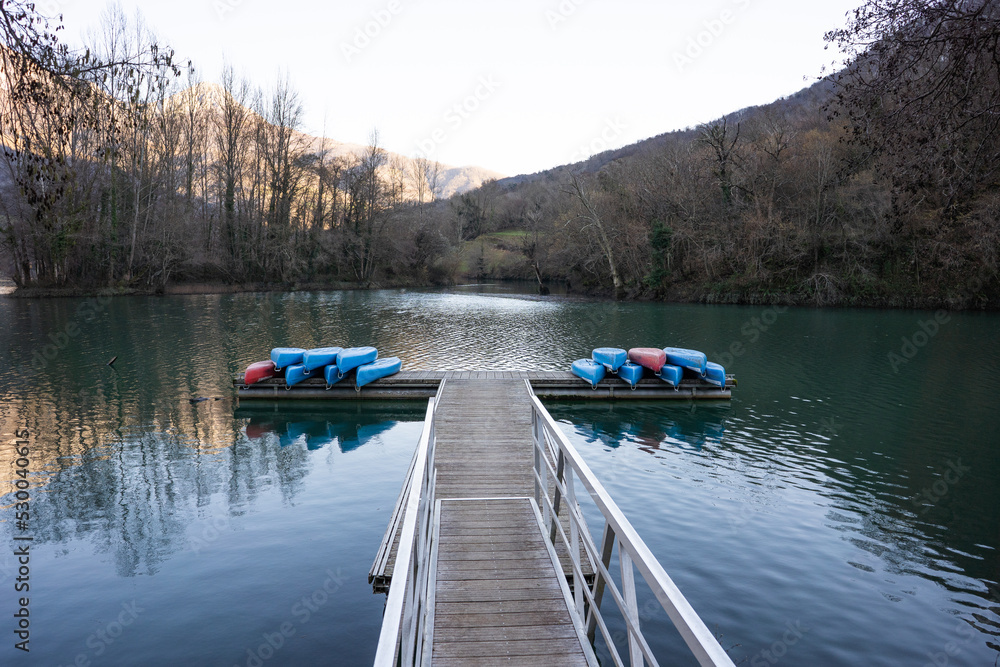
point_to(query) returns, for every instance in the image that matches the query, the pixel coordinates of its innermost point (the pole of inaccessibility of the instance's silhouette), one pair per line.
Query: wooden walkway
(500, 595)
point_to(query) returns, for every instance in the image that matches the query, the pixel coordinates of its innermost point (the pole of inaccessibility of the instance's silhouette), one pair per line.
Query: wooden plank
(508, 633)
(537, 647)
(500, 620)
(519, 660)
(548, 606)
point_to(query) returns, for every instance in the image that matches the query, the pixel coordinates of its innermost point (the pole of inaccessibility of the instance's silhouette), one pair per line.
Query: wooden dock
(496, 564)
(501, 594)
(421, 385)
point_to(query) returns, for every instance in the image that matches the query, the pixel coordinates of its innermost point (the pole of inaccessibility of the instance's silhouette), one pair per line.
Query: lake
(842, 509)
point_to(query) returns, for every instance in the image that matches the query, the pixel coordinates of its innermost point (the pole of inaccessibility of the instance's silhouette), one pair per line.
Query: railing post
(560, 477)
(607, 544)
(631, 606)
(535, 427)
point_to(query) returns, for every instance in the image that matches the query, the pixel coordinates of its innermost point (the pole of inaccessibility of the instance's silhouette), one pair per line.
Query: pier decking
(488, 559)
(498, 595)
(424, 384)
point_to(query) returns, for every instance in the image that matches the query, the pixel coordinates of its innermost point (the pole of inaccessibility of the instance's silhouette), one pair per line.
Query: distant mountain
(451, 180)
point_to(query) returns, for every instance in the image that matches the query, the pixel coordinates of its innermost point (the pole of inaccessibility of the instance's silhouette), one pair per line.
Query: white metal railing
(555, 462)
(405, 630)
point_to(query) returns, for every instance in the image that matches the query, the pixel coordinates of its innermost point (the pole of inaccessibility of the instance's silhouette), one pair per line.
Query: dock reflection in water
(650, 427)
(347, 425)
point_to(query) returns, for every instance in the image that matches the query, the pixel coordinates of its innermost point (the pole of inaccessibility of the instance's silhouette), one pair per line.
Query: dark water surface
(844, 509)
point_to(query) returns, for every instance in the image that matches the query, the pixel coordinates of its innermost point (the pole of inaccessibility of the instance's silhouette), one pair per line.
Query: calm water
(839, 511)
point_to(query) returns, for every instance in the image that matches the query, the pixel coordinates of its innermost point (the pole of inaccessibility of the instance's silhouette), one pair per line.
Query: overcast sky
(515, 86)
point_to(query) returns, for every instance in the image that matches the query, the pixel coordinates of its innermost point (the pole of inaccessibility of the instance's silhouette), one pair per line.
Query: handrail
(556, 459)
(404, 623)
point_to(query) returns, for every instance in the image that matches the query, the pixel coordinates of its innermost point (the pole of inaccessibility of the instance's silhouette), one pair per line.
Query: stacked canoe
(296, 364)
(670, 364)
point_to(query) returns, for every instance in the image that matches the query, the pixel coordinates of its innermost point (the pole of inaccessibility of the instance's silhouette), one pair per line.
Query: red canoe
(648, 357)
(262, 370)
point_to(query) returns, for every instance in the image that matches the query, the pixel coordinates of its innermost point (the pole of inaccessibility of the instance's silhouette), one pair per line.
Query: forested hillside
(121, 169)
(877, 185)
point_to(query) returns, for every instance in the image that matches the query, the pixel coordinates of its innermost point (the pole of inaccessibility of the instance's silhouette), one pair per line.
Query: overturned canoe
(671, 374)
(611, 358)
(262, 370)
(296, 373)
(715, 374)
(648, 357)
(320, 357)
(630, 372)
(692, 359)
(589, 370)
(332, 374)
(286, 356)
(377, 369)
(352, 357)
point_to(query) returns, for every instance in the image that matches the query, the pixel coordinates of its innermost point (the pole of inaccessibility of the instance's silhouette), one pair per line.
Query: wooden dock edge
(421, 385)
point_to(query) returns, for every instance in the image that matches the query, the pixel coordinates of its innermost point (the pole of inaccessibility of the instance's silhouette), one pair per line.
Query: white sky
(543, 82)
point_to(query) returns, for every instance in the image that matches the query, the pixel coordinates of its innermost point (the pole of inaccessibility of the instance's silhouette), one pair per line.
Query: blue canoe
(352, 357)
(286, 356)
(377, 369)
(671, 374)
(630, 372)
(332, 375)
(716, 374)
(296, 373)
(589, 370)
(692, 359)
(611, 358)
(321, 356)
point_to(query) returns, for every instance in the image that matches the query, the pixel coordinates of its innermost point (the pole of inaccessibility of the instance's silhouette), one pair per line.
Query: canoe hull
(352, 357)
(296, 373)
(611, 358)
(377, 369)
(332, 375)
(320, 357)
(589, 370)
(286, 356)
(715, 374)
(262, 370)
(648, 357)
(691, 359)
(671, 374)
(631, 373)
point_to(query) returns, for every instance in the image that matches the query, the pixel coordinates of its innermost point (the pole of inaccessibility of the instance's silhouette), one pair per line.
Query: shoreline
(679, 294)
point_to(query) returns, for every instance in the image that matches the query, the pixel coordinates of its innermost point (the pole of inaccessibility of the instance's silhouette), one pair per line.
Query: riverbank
(679, 293)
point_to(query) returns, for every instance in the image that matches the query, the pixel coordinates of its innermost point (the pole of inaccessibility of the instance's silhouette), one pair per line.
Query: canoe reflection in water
(350, 425)
(651, 427)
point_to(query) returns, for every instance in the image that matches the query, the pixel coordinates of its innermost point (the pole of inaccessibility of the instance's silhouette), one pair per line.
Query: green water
(842, 510)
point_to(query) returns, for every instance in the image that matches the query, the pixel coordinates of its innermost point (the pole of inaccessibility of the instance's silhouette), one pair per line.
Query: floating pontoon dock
(424, 384)
(488, 558)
